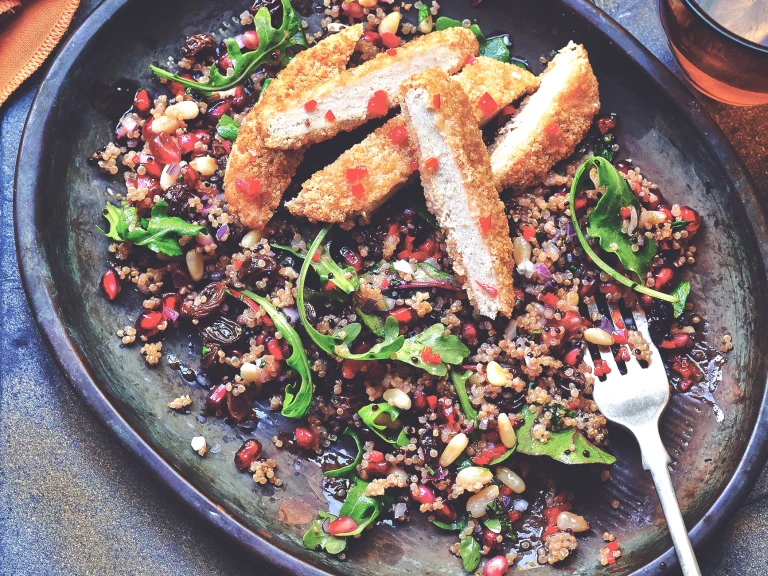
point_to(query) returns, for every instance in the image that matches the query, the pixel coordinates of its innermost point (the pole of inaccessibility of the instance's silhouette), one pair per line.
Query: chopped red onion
(222, 231)
(204, 239)
(170, 314)
(240, 41)
(544, 274)
(292, 314)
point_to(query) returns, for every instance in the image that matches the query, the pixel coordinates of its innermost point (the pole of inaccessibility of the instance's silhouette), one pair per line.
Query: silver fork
(636, 401)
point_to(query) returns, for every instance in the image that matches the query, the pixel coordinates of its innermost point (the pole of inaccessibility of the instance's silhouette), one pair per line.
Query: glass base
(716, 89)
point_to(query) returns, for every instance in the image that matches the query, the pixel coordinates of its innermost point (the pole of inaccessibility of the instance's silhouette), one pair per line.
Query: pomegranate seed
(251, 188)
(371, 37)
(447, 513)
(485, 225)
(496, 566)
(390, 40)
(378, 105)
(687, 213)
(428, 356)
(190, 176)
(248, 453)
(273, 346)
(216, 397)
(469, 332)
(553, 129)
(352, 9)
(398, 135)
(423, 494)
(218, 110)
(330, 117)
(225, 63)
(391, 52)
(110, 283)
(310, 105)
(605, 125)
(489, 539)
(356, 174)
(251, 39)
(490, 290)
(573, 357)
(343, 525)
(165, 149)
(514, 515)
(402, 315)
(677, 341)
(487, 105)
(148, 322)
(431, 163)
(419, 400)
(624, 166)
(663, 277)
(432, 402)
(572, 321)
(358, 191)
(436, 101)
(306, 438)
(142, 103)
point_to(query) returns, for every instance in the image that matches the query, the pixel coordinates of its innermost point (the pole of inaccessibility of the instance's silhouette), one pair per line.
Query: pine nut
(454, 449)
(573, 521)
(198, 445)
(164, 124)
(398, 398)
(510, 479)
(390, 23)
(166, 180)
(521, 249)
(473, 478)
(186, 110)
(598, 336)
(477, 504)
(497, 376)
(205, 165)
(249, 372)
(506, 431)
(367, 3)
(195, 265)
(251, 239)
(425, 26)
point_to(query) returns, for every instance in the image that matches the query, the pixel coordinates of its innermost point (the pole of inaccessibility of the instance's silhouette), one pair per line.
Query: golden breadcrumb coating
(249, 160)
(549, 124)
(303, 120)
(326, 196)
(460, 189)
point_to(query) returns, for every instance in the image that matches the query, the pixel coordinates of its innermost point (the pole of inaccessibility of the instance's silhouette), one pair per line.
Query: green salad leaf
(681, 291)
(345, 279)
(298, 395)
(460, 383)
(374, 323)
(372, 413)
(424, 13)
(159, 233)
(444, 23)
(493, 524)
(344, 470)
(264, 86)
(271, 40)
(316, 539)
(680, 224)
(450, 349)
(469, 550)
(457, 525)
(495, 48)
(559, 443)
(604, 222)
(361, 508)
(227, 127)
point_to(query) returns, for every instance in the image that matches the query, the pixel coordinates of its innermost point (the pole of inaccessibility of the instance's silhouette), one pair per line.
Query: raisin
(198, 46)
(223, 332)
(240, 407)
(660, 319)
(257, 266)
(178, 197)
(210, 357)
(208, 301)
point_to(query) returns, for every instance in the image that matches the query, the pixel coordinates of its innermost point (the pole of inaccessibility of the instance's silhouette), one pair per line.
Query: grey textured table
(72, 501)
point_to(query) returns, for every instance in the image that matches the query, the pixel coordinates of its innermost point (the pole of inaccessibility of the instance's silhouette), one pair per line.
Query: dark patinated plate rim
(67, 355)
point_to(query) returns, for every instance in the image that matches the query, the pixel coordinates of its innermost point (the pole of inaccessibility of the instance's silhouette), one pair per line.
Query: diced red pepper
(469, 332)
(431, 163)
(601, 368)
(528, 232)
(391, 52)
(691, 215)
(625, 212)
(398, 135)
(490, 290)
(251, 188)
(485, 225)
(553, 129)
(487, 105)
(413, 165)
(310, 105)
(436, 101)
(358, 191)
(677, 341)
(329, 286)
(623, 355)
(549, 299)
(549, 530)
(330, 117)
(612, 546)
(354, 175)
(316, 257)
(618, 321)
(378, 105)
(273, 346)
(580, 203)
(490, 454)
(470, 60)
(662, 277)
(620, 336)
(142, 103)
(402, 315)
(428, 356)
(432, 402)
(390, 40)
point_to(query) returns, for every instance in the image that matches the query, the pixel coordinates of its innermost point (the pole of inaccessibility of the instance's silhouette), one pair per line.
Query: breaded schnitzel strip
(256, 176)
(550, 123)
(364, 92)
(460, 190)
(326, 196)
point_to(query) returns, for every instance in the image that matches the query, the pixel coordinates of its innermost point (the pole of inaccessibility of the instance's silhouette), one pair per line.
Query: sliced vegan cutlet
(460, 190)
(550, 123)
(256, 176)
(350, 99)
(387, 155)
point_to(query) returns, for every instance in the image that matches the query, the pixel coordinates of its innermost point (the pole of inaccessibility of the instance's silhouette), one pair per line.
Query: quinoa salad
(421, 305)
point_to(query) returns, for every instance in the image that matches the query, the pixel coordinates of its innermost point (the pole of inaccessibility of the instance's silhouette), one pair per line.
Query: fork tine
(632, 364)
(641, 322)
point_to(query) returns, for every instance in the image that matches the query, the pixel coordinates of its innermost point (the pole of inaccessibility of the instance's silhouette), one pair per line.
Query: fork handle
(656, 459)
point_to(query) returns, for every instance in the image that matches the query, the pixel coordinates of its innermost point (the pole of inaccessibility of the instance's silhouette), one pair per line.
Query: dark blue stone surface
(72, 501)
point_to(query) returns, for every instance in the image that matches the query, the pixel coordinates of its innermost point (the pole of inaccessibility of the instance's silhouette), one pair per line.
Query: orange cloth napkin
(29, 31)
